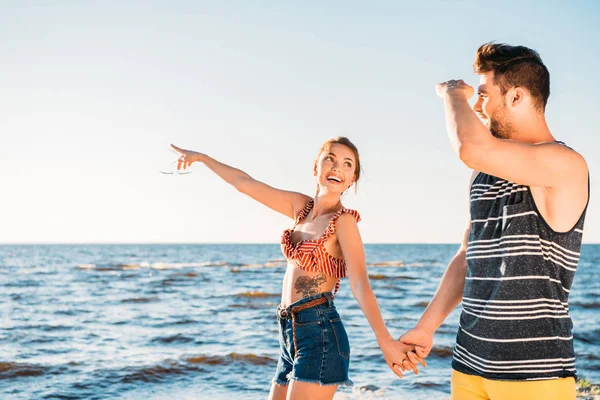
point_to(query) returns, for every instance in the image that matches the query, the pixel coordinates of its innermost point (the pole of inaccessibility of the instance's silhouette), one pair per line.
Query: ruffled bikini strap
(304, 212)
(331, 227)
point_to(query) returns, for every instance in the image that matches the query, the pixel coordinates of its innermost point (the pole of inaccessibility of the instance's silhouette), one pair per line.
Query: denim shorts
(323, 354)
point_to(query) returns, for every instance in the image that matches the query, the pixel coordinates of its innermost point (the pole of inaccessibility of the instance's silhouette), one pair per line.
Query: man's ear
(516, 96)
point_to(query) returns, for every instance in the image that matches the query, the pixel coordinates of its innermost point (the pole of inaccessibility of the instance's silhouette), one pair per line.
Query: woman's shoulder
(346, 213)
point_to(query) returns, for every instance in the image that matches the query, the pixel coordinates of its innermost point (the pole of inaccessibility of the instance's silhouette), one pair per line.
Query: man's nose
(477, 106)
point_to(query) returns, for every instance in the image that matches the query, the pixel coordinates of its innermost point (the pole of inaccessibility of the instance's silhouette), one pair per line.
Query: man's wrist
(427, 327)
(455, 94)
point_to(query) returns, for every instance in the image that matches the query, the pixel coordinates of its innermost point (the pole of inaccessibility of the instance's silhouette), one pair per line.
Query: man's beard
(500, 126)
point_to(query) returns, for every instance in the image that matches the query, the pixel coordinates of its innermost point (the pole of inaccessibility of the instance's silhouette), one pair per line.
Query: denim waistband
(287, 311)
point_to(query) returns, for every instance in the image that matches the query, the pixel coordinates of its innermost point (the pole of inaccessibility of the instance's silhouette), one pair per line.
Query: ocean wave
(236, 267)
(407, 278)
(386, 264)
(185, 275)
(43, 328)
(140, 300)
(588, 337)
(588, 306)
(245, 358)
(588, 356)
(166, 266)
(398, 263)
(185, 321)
(441, 352)
(421, 304)
(420, 264)
(386, 277)
(428, 384)
(178, 338)
(11, 370)
(275, 263)
(184, 265)
(150, 374)
(190, 363)
(14, 370)
(378, 277)
(257, 294)
(253, 306)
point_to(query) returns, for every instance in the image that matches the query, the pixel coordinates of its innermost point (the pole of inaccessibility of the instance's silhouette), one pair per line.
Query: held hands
(455, 88)
(420, 338)
(187, 157)
(400, 356)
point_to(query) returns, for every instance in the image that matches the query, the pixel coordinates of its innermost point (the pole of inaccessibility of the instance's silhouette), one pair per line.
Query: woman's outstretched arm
(285, 202)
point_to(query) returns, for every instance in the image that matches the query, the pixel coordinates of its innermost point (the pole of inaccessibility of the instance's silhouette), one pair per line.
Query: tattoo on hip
(309, 286)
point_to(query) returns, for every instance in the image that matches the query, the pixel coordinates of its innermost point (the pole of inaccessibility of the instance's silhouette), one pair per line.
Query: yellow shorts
(471, 387)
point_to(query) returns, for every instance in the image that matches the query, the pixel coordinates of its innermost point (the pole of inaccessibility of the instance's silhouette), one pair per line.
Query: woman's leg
(279, 386)
(303, 390)
(278, 392)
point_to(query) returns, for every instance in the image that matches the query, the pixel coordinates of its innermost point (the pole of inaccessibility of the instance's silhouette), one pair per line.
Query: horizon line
(213, 243)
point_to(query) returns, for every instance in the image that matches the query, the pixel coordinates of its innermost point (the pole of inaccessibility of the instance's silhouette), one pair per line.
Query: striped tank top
(311, 255)
(515, 322)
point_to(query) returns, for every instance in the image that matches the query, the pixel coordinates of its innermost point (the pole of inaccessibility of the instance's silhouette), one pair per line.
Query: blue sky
(92, 93)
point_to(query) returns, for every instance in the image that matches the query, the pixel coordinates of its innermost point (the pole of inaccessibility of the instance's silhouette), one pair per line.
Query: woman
(323, 246)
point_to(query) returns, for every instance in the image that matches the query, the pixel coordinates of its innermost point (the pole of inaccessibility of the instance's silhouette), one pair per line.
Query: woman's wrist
(384, 337)
(200, 157)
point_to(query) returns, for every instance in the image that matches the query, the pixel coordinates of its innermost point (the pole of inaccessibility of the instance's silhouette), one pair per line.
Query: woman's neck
(326, 204)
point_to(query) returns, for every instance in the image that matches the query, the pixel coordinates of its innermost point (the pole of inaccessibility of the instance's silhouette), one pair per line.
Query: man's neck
(533, 131)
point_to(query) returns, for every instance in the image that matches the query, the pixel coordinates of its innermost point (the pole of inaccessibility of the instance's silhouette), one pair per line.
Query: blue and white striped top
(515, 323)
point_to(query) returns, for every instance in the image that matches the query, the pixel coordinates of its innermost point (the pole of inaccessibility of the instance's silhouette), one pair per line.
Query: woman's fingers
(414, 359)
(408, 365)
(177, 148)
(396, 369)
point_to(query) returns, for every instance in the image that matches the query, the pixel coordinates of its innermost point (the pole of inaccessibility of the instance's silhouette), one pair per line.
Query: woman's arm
(351, 244)
(283, 201)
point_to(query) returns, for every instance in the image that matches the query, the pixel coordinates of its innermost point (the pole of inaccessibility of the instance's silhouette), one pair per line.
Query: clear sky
(92, 93)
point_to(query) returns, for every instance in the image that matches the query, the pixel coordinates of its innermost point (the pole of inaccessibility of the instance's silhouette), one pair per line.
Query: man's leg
(552, 389)
(467, 387)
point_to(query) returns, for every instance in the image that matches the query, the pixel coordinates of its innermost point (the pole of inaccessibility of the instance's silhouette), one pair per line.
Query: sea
(197, 321)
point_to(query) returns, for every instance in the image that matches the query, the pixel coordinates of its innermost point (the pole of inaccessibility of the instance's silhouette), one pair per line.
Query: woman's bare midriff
(298, 284)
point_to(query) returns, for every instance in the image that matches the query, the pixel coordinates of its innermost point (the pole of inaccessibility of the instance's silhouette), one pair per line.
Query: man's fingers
(421, 351)
(414, 359)
(438, 88)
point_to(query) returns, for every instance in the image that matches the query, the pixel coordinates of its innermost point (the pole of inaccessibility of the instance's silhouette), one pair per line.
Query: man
(514, 269)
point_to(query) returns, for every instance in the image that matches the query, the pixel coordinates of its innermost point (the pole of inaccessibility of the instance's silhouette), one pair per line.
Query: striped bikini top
(311, 255)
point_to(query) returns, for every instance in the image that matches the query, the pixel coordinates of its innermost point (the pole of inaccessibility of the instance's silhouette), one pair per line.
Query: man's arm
(446, 298)
(548, 165)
